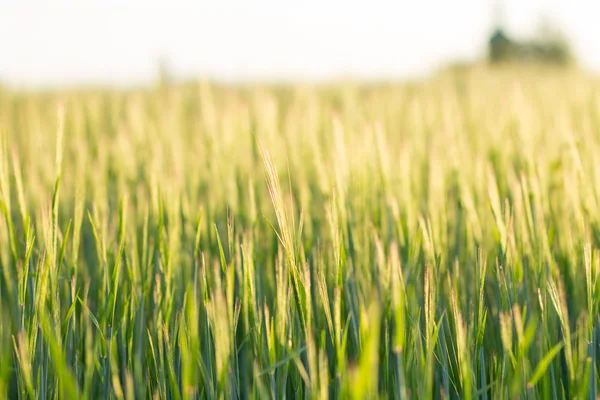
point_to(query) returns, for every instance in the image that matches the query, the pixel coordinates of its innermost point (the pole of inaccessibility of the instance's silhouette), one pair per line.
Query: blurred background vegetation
(549, 46)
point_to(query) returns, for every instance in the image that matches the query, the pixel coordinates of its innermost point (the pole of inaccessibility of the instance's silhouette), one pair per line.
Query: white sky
(74, 42)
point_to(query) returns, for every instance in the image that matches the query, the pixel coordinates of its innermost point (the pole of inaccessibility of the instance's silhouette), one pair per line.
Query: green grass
(438, 239)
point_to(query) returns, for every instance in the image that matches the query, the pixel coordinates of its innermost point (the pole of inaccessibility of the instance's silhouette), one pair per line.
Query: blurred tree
(549, 46)
(501, 47)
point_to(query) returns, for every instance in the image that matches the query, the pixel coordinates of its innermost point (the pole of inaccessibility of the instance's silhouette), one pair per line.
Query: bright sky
(73, 42)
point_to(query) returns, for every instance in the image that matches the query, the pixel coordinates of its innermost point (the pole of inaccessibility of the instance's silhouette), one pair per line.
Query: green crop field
(434, 239)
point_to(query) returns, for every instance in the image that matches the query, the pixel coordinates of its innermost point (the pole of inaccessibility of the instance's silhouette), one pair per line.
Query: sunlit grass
(435, 239)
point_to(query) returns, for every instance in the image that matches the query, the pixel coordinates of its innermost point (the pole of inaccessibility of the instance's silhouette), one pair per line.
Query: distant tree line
(549, 48)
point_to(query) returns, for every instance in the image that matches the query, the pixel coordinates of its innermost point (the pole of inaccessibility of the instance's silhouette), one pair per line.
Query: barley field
(429, 239)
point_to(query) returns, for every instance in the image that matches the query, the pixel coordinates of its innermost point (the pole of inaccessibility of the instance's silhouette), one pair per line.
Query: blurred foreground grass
(435, 239)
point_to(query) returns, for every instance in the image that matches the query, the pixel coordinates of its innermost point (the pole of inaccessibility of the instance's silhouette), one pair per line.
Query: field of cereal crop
(434, 239)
